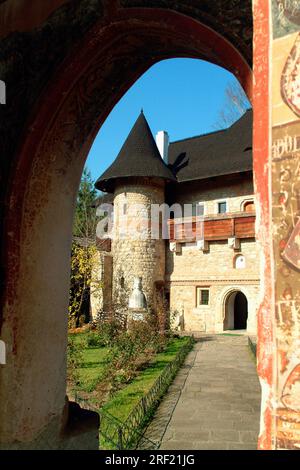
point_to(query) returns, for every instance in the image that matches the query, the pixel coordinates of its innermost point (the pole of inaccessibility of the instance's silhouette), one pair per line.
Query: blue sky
(181, 96)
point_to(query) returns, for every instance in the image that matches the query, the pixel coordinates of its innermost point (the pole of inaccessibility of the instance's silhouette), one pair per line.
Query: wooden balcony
(217, 227)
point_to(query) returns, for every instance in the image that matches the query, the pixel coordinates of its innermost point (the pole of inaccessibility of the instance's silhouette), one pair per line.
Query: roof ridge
(200, 135)
(240, 118)
(213, 132)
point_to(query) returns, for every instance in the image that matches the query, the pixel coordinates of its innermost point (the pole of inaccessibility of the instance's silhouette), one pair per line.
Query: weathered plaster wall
(276, 152)
(285, 157)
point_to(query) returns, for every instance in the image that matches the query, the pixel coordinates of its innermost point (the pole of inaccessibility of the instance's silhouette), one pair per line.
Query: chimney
(162, 142)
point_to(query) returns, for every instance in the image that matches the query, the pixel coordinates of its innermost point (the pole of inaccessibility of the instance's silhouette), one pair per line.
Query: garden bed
(125, 413)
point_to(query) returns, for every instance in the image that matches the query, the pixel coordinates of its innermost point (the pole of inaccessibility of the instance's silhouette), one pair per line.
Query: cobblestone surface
(214, 401)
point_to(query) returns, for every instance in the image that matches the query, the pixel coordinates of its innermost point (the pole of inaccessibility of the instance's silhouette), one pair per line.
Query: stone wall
(135, 253)
(101, 285)
(214, 269)
(235, 189)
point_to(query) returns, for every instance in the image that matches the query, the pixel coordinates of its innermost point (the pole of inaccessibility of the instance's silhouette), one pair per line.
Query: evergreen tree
(83, 251)
(85, 215)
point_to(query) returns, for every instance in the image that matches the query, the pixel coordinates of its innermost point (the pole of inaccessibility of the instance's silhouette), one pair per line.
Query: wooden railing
(218, 227)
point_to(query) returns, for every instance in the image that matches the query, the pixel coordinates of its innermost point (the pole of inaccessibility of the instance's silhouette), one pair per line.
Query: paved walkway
(214, 401)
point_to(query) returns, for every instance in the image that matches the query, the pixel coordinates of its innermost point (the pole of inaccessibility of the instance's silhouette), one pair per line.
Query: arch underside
(63, 79)
(138, 38)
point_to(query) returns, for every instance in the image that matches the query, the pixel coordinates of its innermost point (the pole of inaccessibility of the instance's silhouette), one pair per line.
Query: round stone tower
(135, 252)
(137, 178)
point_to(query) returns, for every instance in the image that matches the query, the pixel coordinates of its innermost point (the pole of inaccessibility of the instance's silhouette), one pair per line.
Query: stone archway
(65, 67)
(41, 197)
(236, 311)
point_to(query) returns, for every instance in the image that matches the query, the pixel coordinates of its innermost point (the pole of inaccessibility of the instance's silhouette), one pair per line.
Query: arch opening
(63, 123)
(236, 311)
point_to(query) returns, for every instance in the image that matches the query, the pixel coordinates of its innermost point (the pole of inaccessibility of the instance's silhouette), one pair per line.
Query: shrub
(93, 340)
(130, 352)
(74, 359)
(108, 331)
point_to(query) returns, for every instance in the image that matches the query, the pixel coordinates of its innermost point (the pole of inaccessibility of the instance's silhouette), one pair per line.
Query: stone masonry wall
(136, 254)
(215, 269)
(101, 285)
(235, 190)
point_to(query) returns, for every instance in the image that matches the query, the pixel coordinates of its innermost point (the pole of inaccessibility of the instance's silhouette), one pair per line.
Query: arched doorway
(240, 311)
(236, 311)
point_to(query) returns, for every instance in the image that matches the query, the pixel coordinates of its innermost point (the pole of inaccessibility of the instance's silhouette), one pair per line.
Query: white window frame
(198, 296)
(199, 203)
(217, 206)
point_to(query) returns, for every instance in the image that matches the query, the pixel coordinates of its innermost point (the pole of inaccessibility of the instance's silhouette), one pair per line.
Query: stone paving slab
(214, 401)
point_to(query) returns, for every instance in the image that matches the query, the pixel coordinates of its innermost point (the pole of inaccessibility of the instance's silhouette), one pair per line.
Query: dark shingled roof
(139, 156)
(216, 154)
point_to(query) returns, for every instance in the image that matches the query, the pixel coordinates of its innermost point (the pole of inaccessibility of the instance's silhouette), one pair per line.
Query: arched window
(249, 206)
(240, 262)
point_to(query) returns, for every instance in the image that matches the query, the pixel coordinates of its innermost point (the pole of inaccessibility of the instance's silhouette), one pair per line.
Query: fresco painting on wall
(286, 17)
(290, 79)
(286, 215)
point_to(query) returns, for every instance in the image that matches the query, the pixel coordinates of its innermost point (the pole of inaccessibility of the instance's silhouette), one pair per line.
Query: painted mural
(286, 17)
(286, 215)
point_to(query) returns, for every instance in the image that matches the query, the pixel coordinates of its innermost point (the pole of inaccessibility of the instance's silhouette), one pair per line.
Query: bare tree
(235, 105)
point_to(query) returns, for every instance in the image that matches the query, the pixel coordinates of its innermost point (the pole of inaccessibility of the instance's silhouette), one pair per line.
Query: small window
(124, 208)
(222, 207)
(198, 209)
(240, 262)
(202, 296)
(122, 282)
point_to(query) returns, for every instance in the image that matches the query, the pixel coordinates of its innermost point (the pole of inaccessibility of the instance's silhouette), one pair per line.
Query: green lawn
(92, 365)
(121, 404)
(125, 399)
(91, 369)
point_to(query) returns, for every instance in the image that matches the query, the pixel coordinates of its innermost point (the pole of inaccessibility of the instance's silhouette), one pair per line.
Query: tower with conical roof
(137, 178)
